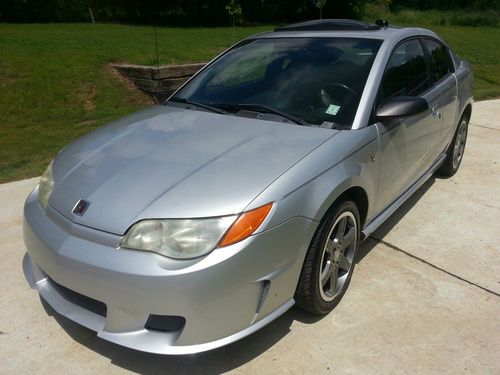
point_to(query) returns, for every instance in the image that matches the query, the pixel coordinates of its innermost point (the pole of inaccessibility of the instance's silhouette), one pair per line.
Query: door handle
(435, 112)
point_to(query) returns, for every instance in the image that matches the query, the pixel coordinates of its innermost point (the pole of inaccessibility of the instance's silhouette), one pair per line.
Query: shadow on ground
(394, 219)
(229, 357)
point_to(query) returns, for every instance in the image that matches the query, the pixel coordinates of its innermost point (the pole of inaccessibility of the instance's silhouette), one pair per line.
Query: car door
(407, 146)
(442, 69)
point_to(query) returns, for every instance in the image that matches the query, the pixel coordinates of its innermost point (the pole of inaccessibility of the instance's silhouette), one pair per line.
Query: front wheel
(456, 150)
(329, 262)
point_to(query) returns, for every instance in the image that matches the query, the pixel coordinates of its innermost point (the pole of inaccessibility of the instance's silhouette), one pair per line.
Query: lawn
(56, 84)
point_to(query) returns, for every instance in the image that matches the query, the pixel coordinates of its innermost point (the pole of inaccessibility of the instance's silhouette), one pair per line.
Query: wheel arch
(359, 196)
(353, 190)
(467, 111)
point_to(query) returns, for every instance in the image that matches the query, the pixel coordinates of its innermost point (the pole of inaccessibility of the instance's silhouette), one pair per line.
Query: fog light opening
(266, 284)
(165, 323)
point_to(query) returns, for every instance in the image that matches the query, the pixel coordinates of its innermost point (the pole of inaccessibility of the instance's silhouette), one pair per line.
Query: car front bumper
(223, 297)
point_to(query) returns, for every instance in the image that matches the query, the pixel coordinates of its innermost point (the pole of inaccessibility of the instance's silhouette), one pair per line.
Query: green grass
(56, 84)
(473, 18)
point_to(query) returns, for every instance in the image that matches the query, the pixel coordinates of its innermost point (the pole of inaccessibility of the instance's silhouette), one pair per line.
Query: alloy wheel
(338, 256)
(458, 150)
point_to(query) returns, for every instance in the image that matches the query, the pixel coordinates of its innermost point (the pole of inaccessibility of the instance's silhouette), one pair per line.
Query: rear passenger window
(439, 59)
(406, 72)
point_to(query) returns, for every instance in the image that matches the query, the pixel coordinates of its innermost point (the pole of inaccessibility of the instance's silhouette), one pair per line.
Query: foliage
(376, 7)
(213, 12)
(374, 11)
(172, 12)
(445, 4)
(234, 9)
(319, 4)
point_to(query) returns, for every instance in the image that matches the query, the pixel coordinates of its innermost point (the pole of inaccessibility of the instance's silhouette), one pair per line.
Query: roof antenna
(382, 23)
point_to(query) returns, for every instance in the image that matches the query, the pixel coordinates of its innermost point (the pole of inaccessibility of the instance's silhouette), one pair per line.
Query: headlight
(178, 238)
(45, 187)
(191, 238)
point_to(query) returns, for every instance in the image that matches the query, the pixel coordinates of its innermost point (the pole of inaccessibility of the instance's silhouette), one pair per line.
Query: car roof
(342, 28)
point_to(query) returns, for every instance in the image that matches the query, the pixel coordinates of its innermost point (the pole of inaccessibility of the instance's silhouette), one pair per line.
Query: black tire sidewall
(447, 169)
(463, 118)
(320, 305)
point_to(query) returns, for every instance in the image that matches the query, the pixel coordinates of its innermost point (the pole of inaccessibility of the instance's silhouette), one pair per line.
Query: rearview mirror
(401, 106)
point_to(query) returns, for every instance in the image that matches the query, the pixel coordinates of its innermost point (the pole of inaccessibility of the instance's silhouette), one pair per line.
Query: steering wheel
(336, 93)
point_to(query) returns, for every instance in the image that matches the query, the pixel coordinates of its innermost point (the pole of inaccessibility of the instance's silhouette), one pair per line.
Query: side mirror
(401, 106)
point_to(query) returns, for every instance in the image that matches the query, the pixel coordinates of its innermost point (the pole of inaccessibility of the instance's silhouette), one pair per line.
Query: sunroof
(329, 24)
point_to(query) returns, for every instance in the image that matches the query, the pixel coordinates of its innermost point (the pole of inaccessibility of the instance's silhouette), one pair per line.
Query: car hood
(169, 162)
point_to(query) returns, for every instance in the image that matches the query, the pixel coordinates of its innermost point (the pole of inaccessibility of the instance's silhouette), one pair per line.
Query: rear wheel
(329, 262)
(456, 150)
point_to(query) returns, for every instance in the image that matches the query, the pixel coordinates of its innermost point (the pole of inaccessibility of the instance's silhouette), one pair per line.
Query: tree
(234, 10)
(319, 4)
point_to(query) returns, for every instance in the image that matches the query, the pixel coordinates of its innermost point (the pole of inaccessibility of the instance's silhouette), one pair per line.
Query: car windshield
(312, 80)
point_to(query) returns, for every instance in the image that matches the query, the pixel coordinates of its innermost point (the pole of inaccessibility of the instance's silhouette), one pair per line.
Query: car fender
(347, 160)
(465, 83)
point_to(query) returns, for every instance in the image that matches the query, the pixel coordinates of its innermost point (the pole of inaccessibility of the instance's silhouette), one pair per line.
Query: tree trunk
(233, 31)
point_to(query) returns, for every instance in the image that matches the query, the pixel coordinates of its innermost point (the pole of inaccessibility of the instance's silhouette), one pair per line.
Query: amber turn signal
(245, 225)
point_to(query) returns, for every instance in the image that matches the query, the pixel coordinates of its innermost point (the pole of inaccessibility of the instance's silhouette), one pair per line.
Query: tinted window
(316, 79)
(439, 59)
(406, 72)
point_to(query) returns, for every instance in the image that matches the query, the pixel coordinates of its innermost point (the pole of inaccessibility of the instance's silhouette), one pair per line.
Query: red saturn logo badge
(80, 207)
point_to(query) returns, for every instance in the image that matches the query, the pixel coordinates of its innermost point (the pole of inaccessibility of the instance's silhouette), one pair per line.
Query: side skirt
(384, 215)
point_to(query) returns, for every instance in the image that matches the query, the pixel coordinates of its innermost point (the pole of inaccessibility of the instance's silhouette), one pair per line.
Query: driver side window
(406, 73)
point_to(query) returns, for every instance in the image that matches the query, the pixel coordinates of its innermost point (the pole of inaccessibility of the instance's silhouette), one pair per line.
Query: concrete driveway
(425, 297)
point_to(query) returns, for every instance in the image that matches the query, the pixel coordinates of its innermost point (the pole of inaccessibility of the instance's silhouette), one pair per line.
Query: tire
(316, 292)
(455, 152)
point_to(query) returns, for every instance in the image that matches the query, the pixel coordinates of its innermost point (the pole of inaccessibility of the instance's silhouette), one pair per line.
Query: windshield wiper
(262, 108)
(196, 104)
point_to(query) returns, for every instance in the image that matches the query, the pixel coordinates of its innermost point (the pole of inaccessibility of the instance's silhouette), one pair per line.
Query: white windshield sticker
(332, 109)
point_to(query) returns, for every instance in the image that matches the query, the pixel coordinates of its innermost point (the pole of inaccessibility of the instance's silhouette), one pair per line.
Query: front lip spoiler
(37, 280)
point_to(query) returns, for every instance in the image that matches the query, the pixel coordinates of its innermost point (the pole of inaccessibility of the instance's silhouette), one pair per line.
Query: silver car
(191, 224)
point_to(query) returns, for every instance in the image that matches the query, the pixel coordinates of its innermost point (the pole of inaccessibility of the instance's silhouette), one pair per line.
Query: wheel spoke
(348, 238)
(325, 274)
(344, 263)
(330, 246)
(333, 279)
(341, 228)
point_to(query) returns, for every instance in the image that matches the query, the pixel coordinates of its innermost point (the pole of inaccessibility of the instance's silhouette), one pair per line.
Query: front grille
(78, 299)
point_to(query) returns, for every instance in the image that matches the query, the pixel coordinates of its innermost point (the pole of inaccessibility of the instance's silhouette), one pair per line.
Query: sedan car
(191, 224)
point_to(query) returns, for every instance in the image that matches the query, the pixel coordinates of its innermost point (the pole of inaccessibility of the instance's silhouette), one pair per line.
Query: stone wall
(159, 82)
